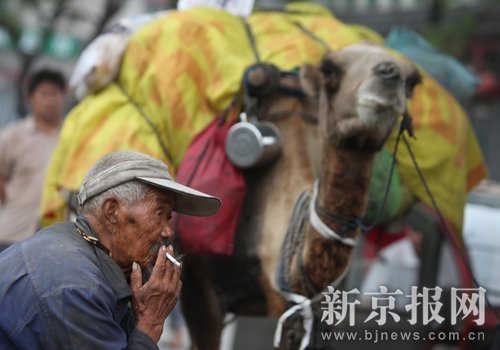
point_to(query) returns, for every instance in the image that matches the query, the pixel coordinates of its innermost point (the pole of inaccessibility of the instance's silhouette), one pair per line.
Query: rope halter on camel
(320, 226)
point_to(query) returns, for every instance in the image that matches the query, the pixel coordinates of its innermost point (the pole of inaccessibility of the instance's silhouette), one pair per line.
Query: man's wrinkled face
(142, 229)
(47, 102)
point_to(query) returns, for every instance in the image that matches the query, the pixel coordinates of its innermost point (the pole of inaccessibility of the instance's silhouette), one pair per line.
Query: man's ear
(110, 210)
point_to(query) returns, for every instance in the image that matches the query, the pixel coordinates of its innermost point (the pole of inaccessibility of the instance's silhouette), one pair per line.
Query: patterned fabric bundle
(181, 70)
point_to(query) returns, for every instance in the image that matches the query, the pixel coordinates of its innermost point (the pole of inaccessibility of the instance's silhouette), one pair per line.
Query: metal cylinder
(250, 145)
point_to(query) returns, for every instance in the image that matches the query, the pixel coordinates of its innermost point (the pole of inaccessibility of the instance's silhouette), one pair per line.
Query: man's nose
(167, 231)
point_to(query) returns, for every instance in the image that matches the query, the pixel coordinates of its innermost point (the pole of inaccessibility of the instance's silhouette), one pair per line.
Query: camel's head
(361, 91)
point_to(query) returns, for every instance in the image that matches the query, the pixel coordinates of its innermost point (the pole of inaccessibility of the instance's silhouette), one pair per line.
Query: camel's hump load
(183, 68)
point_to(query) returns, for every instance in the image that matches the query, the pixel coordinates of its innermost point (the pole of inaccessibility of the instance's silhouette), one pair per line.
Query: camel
(356, 96)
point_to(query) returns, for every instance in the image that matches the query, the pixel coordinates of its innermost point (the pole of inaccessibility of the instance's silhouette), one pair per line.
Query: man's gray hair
(129, 192)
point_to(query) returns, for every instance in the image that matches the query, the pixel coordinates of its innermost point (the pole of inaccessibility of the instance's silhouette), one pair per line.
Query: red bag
(205, 167)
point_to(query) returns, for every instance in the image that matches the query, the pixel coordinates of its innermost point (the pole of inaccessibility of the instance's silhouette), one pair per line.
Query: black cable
(402, 128)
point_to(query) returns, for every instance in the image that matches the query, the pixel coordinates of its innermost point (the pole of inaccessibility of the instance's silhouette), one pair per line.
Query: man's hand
(153, 301)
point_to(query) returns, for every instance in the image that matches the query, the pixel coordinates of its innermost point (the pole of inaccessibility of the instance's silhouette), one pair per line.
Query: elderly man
(66, 286)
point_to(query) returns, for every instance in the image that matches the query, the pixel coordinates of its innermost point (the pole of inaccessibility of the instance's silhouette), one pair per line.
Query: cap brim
(187, 200)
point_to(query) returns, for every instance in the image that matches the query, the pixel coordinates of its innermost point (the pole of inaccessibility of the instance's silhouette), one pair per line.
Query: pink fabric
(206, 168)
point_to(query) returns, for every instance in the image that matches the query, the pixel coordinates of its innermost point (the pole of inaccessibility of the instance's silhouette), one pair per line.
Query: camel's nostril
(387, 70)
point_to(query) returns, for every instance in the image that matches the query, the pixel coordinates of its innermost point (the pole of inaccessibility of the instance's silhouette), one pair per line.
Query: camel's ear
(309, 79)
(413, 80)
(331, 72)
(327, 74)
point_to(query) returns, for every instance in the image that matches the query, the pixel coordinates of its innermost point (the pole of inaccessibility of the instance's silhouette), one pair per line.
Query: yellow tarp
(184, 68)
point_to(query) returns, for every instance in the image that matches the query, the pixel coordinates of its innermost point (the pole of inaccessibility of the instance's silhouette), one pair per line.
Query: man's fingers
(172, 268)
(175, 274)
(170, 250)
(135, 277)
(160, 264)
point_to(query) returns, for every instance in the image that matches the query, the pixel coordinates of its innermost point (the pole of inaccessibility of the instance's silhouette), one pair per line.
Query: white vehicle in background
(482, 237)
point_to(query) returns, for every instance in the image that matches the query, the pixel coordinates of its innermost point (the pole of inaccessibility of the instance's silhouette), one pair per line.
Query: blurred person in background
(25, 150)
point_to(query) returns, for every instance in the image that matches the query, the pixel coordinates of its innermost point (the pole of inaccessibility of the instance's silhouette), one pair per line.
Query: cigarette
(172, 259)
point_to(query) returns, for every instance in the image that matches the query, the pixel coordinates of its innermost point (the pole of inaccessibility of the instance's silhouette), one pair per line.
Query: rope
(313, 36)
(251, 39)
(293, 242)
(320, 226)
(148, 120)
(304, 307)
(406, 124)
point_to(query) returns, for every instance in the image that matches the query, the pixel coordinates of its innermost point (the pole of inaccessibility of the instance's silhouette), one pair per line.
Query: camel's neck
(344, 184)
(343, 192)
